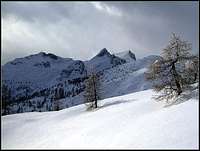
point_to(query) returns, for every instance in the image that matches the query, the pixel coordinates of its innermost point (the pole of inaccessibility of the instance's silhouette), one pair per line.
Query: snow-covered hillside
(132, 121)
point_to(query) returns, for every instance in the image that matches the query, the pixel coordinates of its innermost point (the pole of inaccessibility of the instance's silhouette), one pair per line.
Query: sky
(79, 30)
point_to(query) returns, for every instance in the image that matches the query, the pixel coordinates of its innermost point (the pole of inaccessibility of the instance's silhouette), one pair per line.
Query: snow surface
(132, 121)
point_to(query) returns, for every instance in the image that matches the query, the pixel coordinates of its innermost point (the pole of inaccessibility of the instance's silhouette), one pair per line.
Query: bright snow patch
(132, 121)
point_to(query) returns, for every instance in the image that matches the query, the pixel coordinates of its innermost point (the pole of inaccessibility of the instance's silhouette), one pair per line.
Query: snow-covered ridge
(132, 121)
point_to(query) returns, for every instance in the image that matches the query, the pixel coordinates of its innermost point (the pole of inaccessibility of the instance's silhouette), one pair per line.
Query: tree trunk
(175, 74)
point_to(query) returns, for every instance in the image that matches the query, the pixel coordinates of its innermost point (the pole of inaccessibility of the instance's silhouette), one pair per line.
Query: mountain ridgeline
(38, 82)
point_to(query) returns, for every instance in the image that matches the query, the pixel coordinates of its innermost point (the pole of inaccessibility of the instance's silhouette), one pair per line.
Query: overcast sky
(80, 30)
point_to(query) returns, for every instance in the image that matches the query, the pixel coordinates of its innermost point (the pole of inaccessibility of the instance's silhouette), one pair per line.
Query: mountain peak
(103, 52)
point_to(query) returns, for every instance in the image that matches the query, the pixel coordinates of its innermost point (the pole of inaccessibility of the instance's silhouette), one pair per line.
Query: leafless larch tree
(176, 70)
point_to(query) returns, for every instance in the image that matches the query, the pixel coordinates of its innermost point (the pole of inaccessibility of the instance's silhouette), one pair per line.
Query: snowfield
(132, 121)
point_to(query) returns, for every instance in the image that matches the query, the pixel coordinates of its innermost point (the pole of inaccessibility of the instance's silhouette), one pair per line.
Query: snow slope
(132, 121)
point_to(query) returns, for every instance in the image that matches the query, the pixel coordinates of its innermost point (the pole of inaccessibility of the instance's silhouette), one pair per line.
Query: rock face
(37, 82)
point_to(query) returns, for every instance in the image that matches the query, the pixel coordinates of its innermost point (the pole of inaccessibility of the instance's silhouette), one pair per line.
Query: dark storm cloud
(80, 29)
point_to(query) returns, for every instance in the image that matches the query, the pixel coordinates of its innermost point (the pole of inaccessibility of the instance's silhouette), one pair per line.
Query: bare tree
(92, 89)
(170, 74)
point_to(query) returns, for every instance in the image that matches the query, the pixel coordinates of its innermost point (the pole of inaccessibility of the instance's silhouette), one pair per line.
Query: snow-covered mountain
(41, 70)
(132, 121)
(35, 81)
